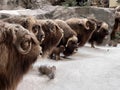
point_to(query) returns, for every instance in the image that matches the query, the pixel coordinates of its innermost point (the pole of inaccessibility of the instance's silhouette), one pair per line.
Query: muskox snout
(40, 49)
(41, 37)
(41, 53)
(76, 45)
(105, 32)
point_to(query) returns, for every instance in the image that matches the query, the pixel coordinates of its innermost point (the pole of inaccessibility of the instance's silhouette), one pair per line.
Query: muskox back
(19, 49)
(83, 27)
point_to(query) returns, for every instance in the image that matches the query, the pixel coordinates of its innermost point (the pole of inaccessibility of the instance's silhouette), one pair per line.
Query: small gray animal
(47, 70)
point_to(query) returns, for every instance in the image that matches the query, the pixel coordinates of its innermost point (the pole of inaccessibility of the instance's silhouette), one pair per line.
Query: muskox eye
(34, 31)
(25, 45)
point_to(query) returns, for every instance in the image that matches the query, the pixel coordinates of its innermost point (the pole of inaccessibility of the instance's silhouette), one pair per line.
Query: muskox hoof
(112, 43)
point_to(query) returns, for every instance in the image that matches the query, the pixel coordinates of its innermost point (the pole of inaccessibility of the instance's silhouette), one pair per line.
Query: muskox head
(31, 24)
(103, 28)
(38, 32)
(19, 49)
(71, 46)
(100, 33)
(53, 35)
(21, 38)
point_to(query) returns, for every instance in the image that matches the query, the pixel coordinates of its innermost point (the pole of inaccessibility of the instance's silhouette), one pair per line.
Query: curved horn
(11, 31)
(13, 34)
(22, 51)
(117, 14)
(23, 46)
(72, 38)
(84, 23)
(104, 25)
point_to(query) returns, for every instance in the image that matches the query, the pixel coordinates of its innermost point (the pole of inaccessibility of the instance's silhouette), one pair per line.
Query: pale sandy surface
(88, 69)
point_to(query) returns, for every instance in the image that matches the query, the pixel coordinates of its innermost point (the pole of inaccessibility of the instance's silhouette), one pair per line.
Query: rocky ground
(89, 69)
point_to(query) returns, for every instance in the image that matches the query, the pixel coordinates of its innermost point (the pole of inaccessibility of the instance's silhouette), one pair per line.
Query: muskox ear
(35, 29)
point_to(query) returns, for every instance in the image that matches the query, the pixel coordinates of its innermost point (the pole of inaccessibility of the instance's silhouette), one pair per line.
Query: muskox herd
(23, 39)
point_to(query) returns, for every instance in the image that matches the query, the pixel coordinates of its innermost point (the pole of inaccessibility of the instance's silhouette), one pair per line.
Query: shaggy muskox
(53, 35)
(69, 40)
(19, 49)
(56, 52)
(116, 27)
(29, 23)
(83, 27)
(100, 33)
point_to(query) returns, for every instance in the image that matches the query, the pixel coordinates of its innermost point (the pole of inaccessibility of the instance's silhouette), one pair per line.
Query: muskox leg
(51, 56)
(57, 57)
(112, 43)
(92, 44)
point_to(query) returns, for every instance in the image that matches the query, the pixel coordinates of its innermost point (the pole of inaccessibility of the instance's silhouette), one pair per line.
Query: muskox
(69, 40)
(19, 49)
(56, 52)
(53, 35)
(83, 27)
(100, 33)
(116, 27)
(30, 23)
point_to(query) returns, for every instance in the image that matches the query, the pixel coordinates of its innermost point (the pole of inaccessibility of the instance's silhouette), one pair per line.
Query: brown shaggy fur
(100, 33)
(69, 40)
(83, 27)
(47, 70)
(19, 49)
(56, 52)
(29, 23)
(53, 35)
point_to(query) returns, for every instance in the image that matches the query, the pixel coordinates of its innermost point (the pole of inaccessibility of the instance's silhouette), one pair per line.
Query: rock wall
(20, 4)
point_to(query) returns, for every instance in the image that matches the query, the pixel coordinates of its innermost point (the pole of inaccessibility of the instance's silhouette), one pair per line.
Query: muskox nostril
(42, 36)
(41, 54)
